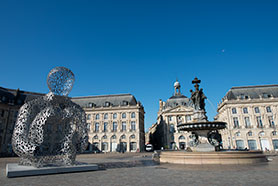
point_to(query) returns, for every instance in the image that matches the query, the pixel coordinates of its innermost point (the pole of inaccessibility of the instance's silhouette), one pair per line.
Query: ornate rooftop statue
(51, 129)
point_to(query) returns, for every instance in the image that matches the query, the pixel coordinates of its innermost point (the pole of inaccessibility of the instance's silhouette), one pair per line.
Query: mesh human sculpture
(51, 129)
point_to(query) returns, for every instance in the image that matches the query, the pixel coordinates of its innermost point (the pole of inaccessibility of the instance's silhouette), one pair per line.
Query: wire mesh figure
(51, 129)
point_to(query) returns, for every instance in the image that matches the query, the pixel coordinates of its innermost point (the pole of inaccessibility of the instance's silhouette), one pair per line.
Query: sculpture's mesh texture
(60, 81)
(50, 130)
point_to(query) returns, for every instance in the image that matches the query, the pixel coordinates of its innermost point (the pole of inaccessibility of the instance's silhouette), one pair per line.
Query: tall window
(88, 116)
(123, 115)
(275, 144)
(115, 116)
(268, 109)
(247, 122)
(106, 116)
(96, 127)
(188, 118)
(115, 126)
(133, 126)
(271, 121)
(124, 126)
(133, 146)
(105, 124)
(236, 123)
(104, 146)
(170, 118)
(259, 122)
(239, 144)
(234, 110)
(257, 110)
(245, 110)
(252, 144)
(133, 115)
(97, 116)
(172, 129)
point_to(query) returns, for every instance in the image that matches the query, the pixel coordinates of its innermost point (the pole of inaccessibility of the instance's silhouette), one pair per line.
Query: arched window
(250, 133)
(268, 109)
(104, 137)
(115, 126)
(133, 115)
(172, 128)
(181, 137)
(115, 116)
(123, 115)
(261, 133)
(274, 133)
(237, 134)
(97, 116)
(105, 124)
(234, 110)
(123, 137)
(96, 127)
(123, 126)
(133, 126)
(132, 136)
(95, 137)
(114, 137)
(245, 110)
(105, 116)
(88, 116)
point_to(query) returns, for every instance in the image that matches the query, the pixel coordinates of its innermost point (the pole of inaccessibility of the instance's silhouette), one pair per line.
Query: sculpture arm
(22, 146)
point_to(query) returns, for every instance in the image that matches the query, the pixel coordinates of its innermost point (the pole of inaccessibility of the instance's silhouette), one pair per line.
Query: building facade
(10, 102)
(115, 122)
(251, 114)
(177, 109)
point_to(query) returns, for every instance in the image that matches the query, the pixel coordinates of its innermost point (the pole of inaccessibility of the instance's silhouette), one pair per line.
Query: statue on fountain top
(198, 97)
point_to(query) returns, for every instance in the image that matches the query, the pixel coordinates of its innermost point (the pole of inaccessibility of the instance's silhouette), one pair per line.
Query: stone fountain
(204, 134)
(206, 140)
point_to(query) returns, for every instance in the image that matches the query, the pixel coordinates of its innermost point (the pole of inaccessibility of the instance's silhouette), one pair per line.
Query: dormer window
(107, 104)
(125, 103)
(242, 96)
(265, 95)
(91, 105)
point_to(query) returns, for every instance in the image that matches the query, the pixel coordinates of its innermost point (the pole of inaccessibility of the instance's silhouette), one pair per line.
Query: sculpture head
(60, 81)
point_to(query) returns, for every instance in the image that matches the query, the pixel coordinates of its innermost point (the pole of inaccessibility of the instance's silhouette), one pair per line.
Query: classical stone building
(251, 113)
(115, 122)
(10, 102)
(177, 109)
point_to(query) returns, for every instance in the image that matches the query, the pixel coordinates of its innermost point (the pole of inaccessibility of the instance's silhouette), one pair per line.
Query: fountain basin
(204, 158)
(204, 125)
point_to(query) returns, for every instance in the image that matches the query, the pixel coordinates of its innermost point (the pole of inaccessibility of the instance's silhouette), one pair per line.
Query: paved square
(138, 169)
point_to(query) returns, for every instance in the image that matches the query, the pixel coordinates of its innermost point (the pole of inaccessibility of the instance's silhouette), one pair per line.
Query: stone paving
(138, 169)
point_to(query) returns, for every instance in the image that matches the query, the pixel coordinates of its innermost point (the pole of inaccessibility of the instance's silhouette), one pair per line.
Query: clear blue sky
(140, 47)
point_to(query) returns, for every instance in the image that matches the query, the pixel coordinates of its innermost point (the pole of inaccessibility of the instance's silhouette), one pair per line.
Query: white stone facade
(251, 114)
(117, 127)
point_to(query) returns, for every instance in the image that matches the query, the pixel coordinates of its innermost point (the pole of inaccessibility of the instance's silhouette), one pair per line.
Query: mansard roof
(105, 100)
(252, 92)
(16, 97)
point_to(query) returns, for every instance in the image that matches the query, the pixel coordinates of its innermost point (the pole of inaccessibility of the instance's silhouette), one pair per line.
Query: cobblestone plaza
(139, 169)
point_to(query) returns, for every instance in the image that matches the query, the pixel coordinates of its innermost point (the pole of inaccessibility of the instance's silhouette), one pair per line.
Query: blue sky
(140, 47)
